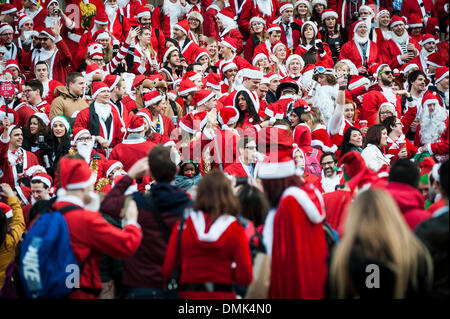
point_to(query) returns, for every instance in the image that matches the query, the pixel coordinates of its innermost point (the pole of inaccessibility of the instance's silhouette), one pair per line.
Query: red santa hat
(112, 165)
(305, 2)
(277, 165)
(172, 95)
(431, 25)
(43, 117)
(274, 110)
(258, 57)
(195, 15)
(227, 115)
(427, 38)
(12, 64)
(357, 81)
(213, 81)
(167, 52)
(77, 132)
(101, 35)
(227, 16)
(357, 24)
(252, 72)
(435, 59)
(152, 97)
(329, 13)
(98, 87)
(187, 125)
(414, 21)
(44, 178)
(95, 49)
(200, 53)
(7, 9)
(6, 209)
(101, 17)
(203, 96)
(426, 165)
(353, 163)
(229, 43)
(441, 73)
(228, 66)
(312, 24)
(183, 25)
(30, 171)
(285, 5)
(75, 174)
(273, 27)
(396, 20)
(322, 2)
(138, 79)
(408, 67)
(4, 27)
(112, 81)
(49, 33)
(375, 69)
(23, 18)
(49, 2)
(92, 69)
(257, 19)
(141, 12)
(135, 124)
(146, 114)
(381, 13)
(191, 75)
(429, 98)
(186, 87)
(277, 44)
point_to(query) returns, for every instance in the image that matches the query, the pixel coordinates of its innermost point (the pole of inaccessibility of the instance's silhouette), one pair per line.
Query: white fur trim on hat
(252, 74)
(311, 24)
(441, 78)
(329, 14)
(85, 184)
(155, 100)
(286, 6)
(116, 81)
(257, 19)
(276, 27)
(409, 67)
(100, 90)
(43, 117)
(42, 179)
(229, 66)
(323, 2)
(258, 57)
(228, 45)
(195, 15)
(359, 23)
(277, 45)
(276, 170)
(179, 27)
(169, 50)
(102, 36)
(429, 101)
(189, 90)
(145, 115)
(6, 27)
(77, 136)
(423, 42)
(295, 57)
(51, 36)
(380, 13)
(206, 99)
(62, 120)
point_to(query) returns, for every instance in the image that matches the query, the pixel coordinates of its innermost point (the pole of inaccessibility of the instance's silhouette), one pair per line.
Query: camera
(56, 11)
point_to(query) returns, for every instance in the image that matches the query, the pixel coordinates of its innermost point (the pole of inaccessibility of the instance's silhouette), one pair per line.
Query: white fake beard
(122, 3)
(85, 150)
(432, 127)
(111, 11)
(361, 40)
(174, 9)
(400, 39)
(27, 35)
(424, 53)
(265, 6)
(44, 55)
(325, 100)
(102, 110)
(94, 204)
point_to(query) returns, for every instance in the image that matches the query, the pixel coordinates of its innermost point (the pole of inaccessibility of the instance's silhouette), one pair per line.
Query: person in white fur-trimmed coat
(326, 92)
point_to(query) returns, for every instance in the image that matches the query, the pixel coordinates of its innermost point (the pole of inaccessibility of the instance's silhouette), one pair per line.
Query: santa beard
(400, 39)
(122, 3)
(85, 150)
(424, 53)
(265, 6)
(111, 11)
(432, 126)
(175, 10)
(324, 99)
(361, 40)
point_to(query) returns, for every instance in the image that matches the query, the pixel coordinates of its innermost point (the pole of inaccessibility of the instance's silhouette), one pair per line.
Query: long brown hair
(274, 188)
(215, 196)
(375, 222)
(42, 130)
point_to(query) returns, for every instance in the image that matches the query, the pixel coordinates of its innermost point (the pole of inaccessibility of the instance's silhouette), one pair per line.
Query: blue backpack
(47, 258)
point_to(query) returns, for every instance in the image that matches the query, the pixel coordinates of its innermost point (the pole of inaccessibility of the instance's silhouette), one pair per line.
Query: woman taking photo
(211, 242)
(311, 49)
(229, 71)
(59, 144)
(37, 126)
(375, 142)
(376, 235)
(331, 33)
(258, 35)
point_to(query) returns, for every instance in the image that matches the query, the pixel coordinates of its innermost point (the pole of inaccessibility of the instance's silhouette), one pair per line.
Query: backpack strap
(157, 215)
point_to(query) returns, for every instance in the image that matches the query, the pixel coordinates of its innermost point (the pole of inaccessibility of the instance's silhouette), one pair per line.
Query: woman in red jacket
(214, 251)
(312, 49)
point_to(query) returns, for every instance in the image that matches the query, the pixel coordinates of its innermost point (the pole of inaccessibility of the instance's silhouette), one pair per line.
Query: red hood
(374, 87)
(407, 197)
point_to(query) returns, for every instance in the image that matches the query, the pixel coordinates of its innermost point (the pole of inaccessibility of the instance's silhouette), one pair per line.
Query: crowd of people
(182, 140)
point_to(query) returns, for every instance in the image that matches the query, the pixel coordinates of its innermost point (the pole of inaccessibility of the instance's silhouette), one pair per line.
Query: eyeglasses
(386, 72)
(43, 39)
(26, 91)
(7, 34)
(327, 164)
(97, 60)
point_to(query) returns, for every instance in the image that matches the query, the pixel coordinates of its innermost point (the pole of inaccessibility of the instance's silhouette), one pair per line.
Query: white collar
(216, 230)
(70, 199)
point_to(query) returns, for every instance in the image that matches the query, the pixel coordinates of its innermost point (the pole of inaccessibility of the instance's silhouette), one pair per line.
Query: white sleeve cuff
(132, 222)
(428, 146)
(257, 127)
(4, 141)
(72, 26)
(58, 39)
(141, 69)
(209, 133)
(400, 61)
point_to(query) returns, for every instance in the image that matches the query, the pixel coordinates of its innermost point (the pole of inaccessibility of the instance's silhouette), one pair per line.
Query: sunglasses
(322, 70)
(43, 39)
(386, 72)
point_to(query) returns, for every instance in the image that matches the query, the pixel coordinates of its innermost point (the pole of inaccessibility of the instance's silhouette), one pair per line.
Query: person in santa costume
(415, 27)
(367, 50)
(150, 134)
(428, 44)
(55, 16)
(401, 48)
(157, 104)
(432, 133)
(441, 87)
(83, 145)
(89, 230)
(145, 56)
(188, 47)
(257, 36)
(287, 99)
(207, 271)
(34, 10)
(423, 8)
(55, 53)
(117, 88)
(229, 47)
(32, 91)
(134, 146)
(12, 52)
(26, 33)
(290, 35)
(293, 223)
(330, 176)
(227, 26)
(118, 25)
(397, 143)
(165, 21)
(15, 160)
(49, 86)
(382, 32)
(274, 32)
(101, 119)
(311, 49)
(171, 63)
(325, 93)
(269, 10)
(245, 165)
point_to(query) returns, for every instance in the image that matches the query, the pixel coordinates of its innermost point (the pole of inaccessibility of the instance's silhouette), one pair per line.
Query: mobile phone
(19, 168)
(340, 186)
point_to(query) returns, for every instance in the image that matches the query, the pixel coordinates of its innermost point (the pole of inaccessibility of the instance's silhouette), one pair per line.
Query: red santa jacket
(39, 18)
(324, 57)
(297, 224)
(137, 62)
(90, 236)
(321, 140)
(391, 52)
(24, 112)
(379, 39)
(250, 9)
(236, 170)
(371, 103)
(210, 28)
(189, 50)
(117, 130)
(209, 250)
(235, 34)
(119, 27)
(351, 51)
(414, 6)
(49, 90)
(43, 107)
(440, 146)
(130, 151)
(443, 49)
(394, 148)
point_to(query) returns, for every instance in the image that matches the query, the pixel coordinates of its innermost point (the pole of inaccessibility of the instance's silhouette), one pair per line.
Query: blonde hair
(375, 222)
